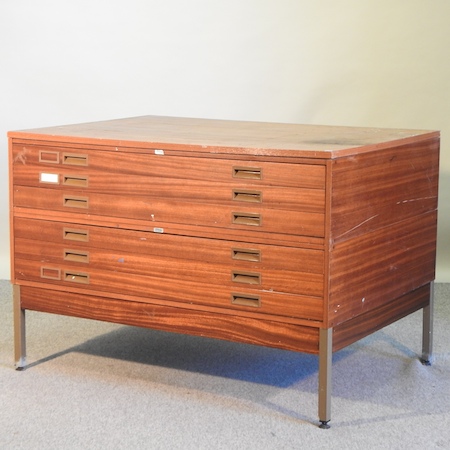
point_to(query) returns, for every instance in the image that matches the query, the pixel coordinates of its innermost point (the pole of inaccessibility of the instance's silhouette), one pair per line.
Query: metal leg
(19, 330)
(325, 362)
(427, 331)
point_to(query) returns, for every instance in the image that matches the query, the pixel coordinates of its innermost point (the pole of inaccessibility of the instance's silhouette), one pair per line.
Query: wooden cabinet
(304, 238)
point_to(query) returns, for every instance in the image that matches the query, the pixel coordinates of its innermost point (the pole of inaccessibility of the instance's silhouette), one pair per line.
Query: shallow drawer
(173, 269)
(238, 216)
(174, 189)
(246, 255)
(182, 290)
(153, 164)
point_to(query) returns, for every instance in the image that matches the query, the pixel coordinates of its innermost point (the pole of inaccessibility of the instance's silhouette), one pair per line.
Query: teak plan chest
(298, 237)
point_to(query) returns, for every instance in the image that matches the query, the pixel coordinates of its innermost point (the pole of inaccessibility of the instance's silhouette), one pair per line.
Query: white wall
(350, 62)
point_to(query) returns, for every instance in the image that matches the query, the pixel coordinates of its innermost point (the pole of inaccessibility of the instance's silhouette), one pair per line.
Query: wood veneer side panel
(194, 322)
(376, 189)
(355, 329)
(370, 270)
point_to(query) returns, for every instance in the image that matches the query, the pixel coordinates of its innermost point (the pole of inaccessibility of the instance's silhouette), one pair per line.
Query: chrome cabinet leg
(427, 330)
(19, 330)
(325, 363)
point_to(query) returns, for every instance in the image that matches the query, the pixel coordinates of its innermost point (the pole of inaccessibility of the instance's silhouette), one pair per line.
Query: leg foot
(324, 424)
(325, 361)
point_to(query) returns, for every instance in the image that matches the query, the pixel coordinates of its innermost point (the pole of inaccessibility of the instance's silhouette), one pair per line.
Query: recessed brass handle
(252, 219)
(76, 256)
(247, 196)
(246, 254)
(248, 173)
(76, 277)
(75, 159)
(75, 202)
(73, 234)
(75, 180)
(246, 277)
(246, 300)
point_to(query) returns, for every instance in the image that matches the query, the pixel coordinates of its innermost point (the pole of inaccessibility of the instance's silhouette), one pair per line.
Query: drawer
(159, 211)
(181, 290)
(246, 255)
(29, 158)
(174, 189)
(173, 269)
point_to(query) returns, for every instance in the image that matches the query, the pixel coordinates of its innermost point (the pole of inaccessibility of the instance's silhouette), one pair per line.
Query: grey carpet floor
(94, 385)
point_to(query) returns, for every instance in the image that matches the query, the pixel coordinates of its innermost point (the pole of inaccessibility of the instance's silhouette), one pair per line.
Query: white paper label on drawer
(158, 230)
(159, 152)
(49, 178)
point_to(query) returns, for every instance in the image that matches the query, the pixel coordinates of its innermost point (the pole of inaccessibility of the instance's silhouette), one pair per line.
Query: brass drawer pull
(245, 254)
(252, 173)
(75, 202)
(76, 277)
(246, 277)
(75, 180)
(247, 219)
(50, 273)
(247, 196)
(76, 256)
(246, 300)
(47, 156)
(73, 234)
(75, 159)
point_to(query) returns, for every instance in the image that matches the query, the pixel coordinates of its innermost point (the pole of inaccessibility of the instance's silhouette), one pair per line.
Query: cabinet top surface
(227, 136)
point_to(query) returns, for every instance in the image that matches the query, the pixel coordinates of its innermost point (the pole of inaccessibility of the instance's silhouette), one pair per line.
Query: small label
(49, 178)
(158, 230)
(159, 152)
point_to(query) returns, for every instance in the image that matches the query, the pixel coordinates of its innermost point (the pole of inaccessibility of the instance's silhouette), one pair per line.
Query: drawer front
(174, 269)
(152, 164)
(250, 255)
(180, 290)
(260, 278)
(159, 210)
(236, 193)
